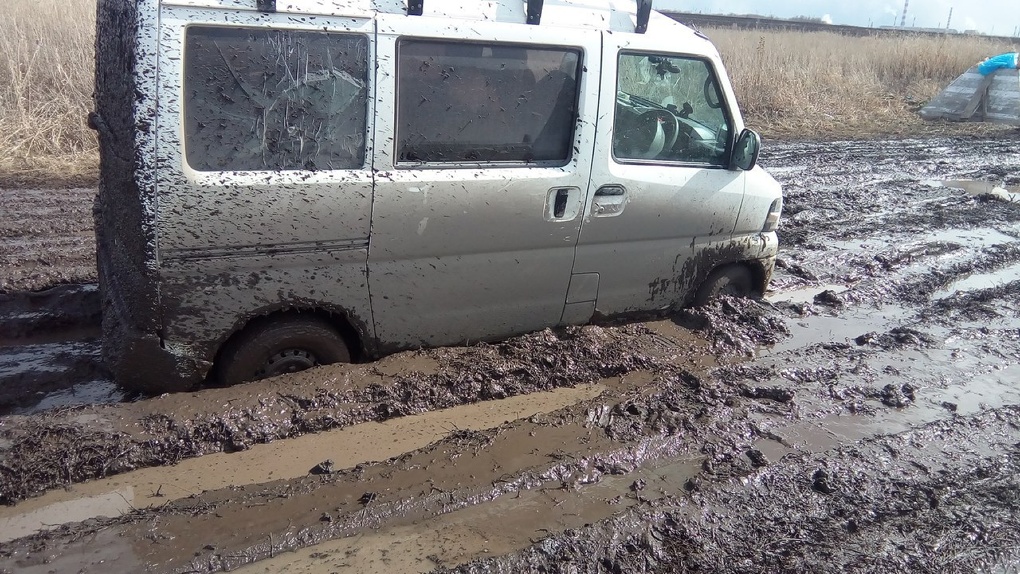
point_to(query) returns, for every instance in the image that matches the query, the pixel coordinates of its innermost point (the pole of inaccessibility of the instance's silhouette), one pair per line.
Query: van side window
(257, 99)
(473, 103)
(670, 109)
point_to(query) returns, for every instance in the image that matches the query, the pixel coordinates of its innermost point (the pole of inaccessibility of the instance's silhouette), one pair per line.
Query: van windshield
(669, 108)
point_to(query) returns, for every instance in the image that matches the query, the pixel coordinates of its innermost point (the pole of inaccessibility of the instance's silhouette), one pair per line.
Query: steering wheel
(659, 129)
(711, 94)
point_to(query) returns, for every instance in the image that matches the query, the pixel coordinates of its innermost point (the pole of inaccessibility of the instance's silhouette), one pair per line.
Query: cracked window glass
(460, 102)
(670, 108)
(259, 99)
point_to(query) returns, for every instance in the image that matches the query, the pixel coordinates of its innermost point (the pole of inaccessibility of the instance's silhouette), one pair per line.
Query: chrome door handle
(610, 200)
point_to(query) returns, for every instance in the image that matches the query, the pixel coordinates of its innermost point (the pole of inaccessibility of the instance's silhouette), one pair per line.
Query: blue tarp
(1000, 62)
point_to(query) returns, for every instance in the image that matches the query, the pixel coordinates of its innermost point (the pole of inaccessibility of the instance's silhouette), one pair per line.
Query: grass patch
(814, 85)
(826, 85)
(46, 78)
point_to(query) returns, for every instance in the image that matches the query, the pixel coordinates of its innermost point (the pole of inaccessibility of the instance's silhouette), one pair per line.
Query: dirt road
(865, 417)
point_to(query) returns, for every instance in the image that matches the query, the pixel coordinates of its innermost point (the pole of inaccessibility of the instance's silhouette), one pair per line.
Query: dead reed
(789, 84)
(46, 55)
(823, 85)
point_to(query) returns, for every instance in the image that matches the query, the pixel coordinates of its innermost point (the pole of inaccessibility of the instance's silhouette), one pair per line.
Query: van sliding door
(481, 177)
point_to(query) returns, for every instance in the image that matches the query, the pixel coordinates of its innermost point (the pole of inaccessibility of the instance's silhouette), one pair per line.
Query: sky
(997, 17)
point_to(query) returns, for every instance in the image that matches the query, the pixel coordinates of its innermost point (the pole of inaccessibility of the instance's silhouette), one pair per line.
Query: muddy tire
(278, 346)
(732, 280)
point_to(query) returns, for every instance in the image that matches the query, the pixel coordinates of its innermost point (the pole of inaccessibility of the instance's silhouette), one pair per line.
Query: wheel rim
(287, 361)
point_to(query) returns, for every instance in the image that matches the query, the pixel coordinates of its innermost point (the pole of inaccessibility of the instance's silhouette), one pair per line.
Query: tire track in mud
(940, 498)
(98, 441)
(887, 382)
(46, 238)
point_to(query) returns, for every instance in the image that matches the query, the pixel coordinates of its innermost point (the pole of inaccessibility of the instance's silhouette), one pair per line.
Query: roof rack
(533, 11)
(644, 11)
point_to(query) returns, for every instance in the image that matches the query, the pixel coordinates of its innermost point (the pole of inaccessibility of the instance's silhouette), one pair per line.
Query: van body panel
(237, 244)
(125, 208)
(761, 190)
(463, 252)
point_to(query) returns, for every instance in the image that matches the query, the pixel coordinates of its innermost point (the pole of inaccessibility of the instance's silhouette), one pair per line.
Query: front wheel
(278, 346)
(732, 280)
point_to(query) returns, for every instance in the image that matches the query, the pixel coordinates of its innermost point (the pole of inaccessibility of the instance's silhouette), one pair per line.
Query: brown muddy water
(864, 417)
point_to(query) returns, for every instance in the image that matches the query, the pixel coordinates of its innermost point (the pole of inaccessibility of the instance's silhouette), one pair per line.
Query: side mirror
(745, 152)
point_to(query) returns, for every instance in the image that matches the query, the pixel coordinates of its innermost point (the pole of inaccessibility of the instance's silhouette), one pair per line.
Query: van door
(660, 193)
(481, 176)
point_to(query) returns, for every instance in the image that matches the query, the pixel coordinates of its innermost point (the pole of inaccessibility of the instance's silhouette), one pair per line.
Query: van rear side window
(485, 103)
(258, 99)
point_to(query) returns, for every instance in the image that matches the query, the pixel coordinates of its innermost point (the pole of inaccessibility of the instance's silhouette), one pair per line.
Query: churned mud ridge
(556, 453)
(31, 314)
(537, 362)
(72, 445)
(46, 238)
(735, 326)
(678, 413)
(938, 499)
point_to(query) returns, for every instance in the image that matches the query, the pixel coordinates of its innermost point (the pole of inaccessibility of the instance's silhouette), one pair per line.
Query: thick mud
(864, 416)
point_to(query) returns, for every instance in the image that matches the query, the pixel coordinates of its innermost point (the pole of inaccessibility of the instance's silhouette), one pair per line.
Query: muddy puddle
(862, 417)
(284, 460)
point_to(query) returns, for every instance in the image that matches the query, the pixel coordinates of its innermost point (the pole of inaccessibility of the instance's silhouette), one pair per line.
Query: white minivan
(286, 184)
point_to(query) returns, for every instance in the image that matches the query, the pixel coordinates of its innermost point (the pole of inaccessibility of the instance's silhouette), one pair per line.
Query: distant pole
(950, 19)
(903, 21)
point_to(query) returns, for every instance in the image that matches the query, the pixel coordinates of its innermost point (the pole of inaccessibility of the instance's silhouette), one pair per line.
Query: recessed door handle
(560, 208)
(563, 204)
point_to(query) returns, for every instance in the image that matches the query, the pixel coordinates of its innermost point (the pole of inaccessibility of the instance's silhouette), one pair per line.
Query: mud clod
(820, 482)
(324, 467)
(829, 298)
(758, 458)
(897, 397)
(769, 393)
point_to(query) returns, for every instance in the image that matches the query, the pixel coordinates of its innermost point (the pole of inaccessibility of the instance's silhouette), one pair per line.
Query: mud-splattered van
(285, 184)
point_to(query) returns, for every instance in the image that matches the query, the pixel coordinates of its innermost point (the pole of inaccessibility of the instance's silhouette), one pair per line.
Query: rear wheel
(732, 280)
(278, 346)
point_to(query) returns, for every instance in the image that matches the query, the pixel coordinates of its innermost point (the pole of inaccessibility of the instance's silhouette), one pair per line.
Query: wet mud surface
(864, 416)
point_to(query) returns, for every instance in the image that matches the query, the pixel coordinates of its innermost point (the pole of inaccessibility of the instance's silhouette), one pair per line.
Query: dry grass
(821, 84)
(46, 54)
(817, 85)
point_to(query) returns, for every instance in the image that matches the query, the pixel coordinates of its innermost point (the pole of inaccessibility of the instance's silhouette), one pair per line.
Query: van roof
(612, 15)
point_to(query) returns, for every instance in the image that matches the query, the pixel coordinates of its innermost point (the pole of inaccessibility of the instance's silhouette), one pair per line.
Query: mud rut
(865, 417)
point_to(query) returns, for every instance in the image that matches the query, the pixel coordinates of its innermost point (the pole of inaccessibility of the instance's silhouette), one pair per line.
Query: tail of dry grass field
(789, 84)
(821, 84)
(46, 53)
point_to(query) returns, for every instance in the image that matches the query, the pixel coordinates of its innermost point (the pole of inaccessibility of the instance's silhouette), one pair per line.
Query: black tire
(280, 345)
(733, 280)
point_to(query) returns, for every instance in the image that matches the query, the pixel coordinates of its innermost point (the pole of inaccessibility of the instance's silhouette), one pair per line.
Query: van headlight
(772, 219)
